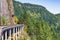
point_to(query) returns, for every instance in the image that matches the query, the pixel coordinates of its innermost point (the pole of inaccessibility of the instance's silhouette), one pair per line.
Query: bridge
(10, 31)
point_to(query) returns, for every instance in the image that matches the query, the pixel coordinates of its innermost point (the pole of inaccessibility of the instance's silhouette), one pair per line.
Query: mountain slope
(39, 22)
(45, 14)
(58, 21)
(58, 16)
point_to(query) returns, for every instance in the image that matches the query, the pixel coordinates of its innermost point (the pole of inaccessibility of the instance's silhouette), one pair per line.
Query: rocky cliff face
(6, 10)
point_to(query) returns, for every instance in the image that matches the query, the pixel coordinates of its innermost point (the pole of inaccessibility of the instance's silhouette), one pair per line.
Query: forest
(40, 24)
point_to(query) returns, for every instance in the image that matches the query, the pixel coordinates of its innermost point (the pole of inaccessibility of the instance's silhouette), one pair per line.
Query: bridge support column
(18, 33)
(14, 34)
(2, 37)
(10, 34)
(6, 35)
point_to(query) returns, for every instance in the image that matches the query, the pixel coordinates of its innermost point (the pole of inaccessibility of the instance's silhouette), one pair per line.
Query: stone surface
(6, 10)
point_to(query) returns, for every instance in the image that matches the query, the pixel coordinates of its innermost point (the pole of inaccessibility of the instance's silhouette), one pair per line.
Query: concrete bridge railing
(10, 32)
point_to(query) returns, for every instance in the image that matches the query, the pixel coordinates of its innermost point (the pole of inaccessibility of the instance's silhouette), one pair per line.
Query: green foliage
(4, 20)
(22, 8)
(23, 38)
(39, 23)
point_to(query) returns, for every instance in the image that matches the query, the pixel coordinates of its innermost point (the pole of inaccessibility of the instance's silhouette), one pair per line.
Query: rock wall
(6, 10)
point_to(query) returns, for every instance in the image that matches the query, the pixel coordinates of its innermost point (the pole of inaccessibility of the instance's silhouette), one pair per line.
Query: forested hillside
(58, 16)
(35, 9)
(58, 21)
(40, 24)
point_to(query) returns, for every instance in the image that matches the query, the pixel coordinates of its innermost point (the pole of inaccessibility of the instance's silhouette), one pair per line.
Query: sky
(51, 5)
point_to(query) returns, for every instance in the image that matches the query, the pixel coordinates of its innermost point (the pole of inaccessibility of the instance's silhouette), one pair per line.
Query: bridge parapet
(8, 32)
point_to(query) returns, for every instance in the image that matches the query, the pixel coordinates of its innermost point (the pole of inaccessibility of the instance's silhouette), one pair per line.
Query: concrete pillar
(13, 33)
(6, 35)
(10, 34)
(16, 34)
(2, 37)
(19, 30)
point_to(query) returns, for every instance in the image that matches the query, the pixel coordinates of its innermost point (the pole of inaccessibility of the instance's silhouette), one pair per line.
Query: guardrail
(10, 32)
